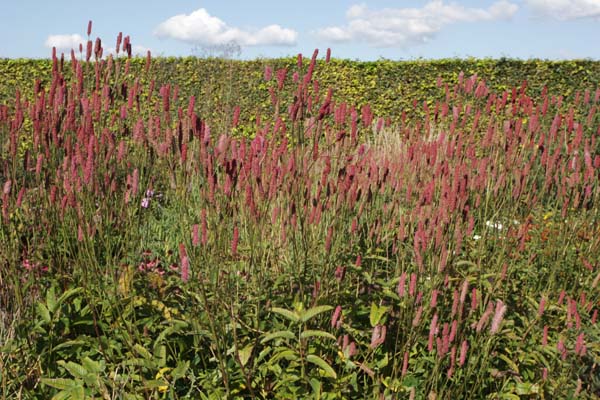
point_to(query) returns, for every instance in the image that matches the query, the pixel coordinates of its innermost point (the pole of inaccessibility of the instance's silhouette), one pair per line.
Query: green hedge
(390, 87)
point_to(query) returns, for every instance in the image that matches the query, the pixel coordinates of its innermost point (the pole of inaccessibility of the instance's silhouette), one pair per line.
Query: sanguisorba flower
(185, 263)
(335, 318)
(498, 316)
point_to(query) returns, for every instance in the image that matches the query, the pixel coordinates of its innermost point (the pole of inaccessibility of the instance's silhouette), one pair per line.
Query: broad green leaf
(142, 351)
(160, 354)
(314, 333)
(509, 396)
(59, 383)
(277, 335)
(63, 395)
(93, 367)
(288, 354)
(310, 313)
(43, 312)
(383, 362)
(292, 316)
(245, 354)
(410, 381)
(180, 370)
(377, 312)
(69, 343)
(68, 294)
(316, 387)
(74, 369)
(527, 389)
(77, 393)
(51, 300)
(319, 362)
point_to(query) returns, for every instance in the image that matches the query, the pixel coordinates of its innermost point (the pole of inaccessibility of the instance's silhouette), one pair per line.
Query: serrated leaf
(319, 362)
(160, 354)
(59, 383)
(141, 350)
(43, 312)
(93, 367)
(74, 369)
(314, 333)
(290, 315)
(277, 335)
(312, 312)
(77, 393)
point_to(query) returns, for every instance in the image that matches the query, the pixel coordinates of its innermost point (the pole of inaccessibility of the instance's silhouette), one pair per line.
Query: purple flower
(145, 202)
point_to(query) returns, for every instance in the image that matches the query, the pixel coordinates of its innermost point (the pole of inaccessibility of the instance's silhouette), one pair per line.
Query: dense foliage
(284, 243)
(389, 87)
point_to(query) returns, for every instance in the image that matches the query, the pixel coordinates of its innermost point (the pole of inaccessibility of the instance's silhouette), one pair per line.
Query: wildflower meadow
(310, 248)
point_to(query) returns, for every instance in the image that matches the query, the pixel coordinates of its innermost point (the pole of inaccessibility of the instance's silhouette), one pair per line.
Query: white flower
(476, 237)
(495, 225)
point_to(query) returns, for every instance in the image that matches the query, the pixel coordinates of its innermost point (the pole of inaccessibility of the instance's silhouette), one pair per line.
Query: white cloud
(136, 50)
(201, 28)
(404, 27)
(566, 9)
(64, 42)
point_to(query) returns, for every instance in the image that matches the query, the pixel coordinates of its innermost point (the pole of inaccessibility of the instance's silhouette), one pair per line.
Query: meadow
(156, 245)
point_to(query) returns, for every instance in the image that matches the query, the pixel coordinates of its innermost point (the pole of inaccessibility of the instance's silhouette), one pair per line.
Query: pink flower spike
(498, 316)
(335, 318)
(463, 353)
(195, 235)
(185, 263)
(235, 240)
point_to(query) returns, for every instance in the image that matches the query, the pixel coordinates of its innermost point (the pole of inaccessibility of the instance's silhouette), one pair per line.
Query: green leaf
(155, 384)
(319, 362)
(316, 387)
(51, 300)
(314, 333)
(312, 312)
(383, 362)
(277, 335)
(68, 294)
(245, 354)
(510, 363)
(377, 312)
(74, 369)
(290, 315)
(180, 370)
(410, 381)
(91, 366)
(288, 354)
(43, 312)
(142, 351)
(527, 389)
(59, 383)
(69, 343)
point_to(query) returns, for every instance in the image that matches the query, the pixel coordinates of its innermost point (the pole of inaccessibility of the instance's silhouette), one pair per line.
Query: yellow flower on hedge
(160, 375)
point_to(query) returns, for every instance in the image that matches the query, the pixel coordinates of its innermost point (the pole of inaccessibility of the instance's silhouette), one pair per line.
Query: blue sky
(366, 30)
